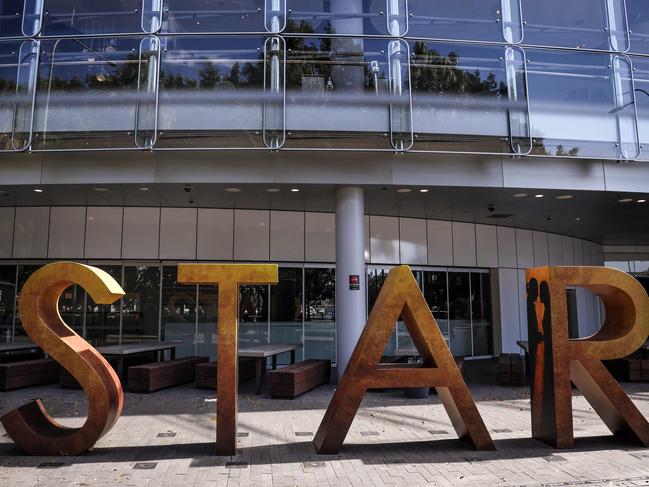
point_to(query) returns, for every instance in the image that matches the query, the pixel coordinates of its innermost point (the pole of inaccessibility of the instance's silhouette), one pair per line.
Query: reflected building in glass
(469, 140)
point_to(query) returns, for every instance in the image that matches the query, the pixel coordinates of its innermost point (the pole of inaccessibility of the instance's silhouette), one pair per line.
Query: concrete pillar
(351, 297)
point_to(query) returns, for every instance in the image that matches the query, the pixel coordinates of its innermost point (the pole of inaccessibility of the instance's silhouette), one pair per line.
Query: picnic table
(260, 353)
(129, 349)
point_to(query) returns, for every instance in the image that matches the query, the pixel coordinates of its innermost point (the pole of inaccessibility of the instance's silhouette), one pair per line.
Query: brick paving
(167, 439)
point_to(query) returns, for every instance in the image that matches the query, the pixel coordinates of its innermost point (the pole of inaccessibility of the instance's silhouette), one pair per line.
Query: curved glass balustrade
(97, 93)
(18, 65)
(582, 105)
(510, 77)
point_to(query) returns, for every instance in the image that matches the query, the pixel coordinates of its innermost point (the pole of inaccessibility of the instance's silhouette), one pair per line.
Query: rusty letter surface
(227, 278)
(30, 426)
(400, 296)
(557, 361)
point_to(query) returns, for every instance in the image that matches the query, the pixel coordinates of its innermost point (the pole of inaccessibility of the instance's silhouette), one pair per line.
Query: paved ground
(166, 439)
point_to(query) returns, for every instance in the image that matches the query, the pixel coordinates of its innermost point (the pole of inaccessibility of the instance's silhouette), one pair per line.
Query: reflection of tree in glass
(539, 148)
(436, 73)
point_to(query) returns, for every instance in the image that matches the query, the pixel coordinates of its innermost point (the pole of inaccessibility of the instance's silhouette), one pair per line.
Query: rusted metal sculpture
(557, 360)
(30, 426)
(400, 296)
(227, 278)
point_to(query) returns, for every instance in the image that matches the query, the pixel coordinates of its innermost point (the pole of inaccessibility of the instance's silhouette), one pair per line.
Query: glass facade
(299, 310)
(460, 301)
(522, 77)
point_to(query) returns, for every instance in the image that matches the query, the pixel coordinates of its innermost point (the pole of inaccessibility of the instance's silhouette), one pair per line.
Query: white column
(351, 300)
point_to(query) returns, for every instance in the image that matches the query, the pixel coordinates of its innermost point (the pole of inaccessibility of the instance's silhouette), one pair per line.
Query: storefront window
(286, 312)
(375, 279)
(7, 297)
(140, 311)
(320, 314)
(71, 307)
(253, 315)
(404, 342)
(459, 313)
(102, 320)
(24, 273)
(481, 321)
(178, 316)
(206, 336)
(436, 294)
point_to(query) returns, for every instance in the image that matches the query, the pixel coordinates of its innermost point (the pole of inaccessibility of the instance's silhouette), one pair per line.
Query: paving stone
(393, 441)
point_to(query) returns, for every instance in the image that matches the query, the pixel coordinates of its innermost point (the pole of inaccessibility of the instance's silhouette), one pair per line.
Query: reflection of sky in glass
(79, 17)
(638, 15)
(10, 23)
(457, 19)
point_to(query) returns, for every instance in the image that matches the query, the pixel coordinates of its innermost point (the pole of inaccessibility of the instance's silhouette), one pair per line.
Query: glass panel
(93, 91)
(436, 294)
(178, 316)
(624, 266)
(195, 16)
(7, 298)
(286, 312)
(481, 314)
(206, 338)
(24, 273)
(16, 21)
(580, 24)
(581, 105)
(638, 16)
(201, 76)
(375, 279)
(347, 82)
(641, 77)
(71, 306)
(345, 17)
(468, 98)
(320, 314)
(102, 320)
(471, 20)
(404, 341)
(253, 315)
(18, 65)
(141, 309)
(459, 313)
(83, 18)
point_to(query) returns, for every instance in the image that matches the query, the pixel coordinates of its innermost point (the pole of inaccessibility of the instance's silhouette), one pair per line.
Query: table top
(134, 348)
(406, 352)
(261, 351)
(524, 344)
(14, 347)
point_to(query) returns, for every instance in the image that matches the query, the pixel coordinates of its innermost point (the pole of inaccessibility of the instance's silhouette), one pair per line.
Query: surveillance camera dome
(491, 207)
(188, 188)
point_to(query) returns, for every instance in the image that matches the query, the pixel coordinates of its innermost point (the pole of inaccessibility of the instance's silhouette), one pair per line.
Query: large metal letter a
(556, 360)
(400, 296)
(228, 278)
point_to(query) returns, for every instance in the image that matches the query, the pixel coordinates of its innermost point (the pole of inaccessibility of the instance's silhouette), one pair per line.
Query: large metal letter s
(33, 430)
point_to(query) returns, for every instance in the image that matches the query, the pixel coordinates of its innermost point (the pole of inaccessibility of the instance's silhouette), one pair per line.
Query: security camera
(192, 201)
(188, 188)
(491, 207)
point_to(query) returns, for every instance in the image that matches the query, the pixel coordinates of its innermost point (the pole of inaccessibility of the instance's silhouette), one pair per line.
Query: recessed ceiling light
(295, 190)
(273, 190)
(144, 189)
(539, 195)
(233, 190)
(100, 189)
(424, 190)
(520, 195)
(578, 219)
(404, 190)
(565, 197)
(38, 190)
(642, 201)
(625, 200)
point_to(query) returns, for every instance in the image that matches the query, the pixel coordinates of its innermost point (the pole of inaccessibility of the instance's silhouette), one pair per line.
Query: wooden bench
(206, 373)
(159, 375)
(296, 379)
(14, 375)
